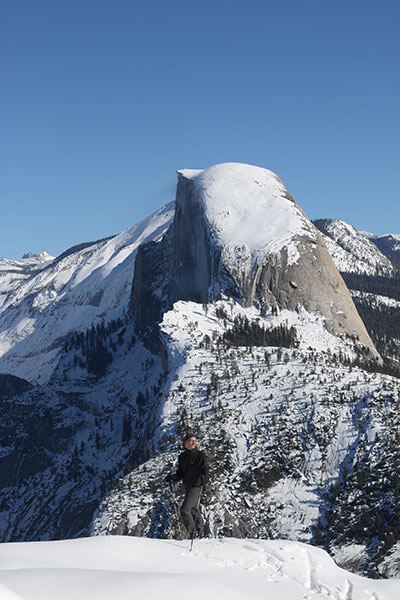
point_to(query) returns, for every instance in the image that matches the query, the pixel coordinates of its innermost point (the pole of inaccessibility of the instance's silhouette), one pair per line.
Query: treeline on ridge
(250, 333)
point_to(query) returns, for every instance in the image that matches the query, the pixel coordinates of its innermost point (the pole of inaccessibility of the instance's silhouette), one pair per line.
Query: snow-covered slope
(41, 303)
(227, 569)
(283, 427)
(352, 251)
(13, 273)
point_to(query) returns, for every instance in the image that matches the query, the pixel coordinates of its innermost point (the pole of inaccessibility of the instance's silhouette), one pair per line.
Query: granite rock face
(210, 250)
(193, 265)
(312, 282)
(149, 296)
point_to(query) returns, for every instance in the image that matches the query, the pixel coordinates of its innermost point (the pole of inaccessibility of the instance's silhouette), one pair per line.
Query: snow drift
(228, 569)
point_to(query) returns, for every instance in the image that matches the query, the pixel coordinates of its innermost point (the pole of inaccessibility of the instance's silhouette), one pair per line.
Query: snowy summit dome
(247, 205)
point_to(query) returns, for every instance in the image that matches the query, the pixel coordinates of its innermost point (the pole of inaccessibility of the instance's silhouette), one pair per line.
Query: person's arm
(203, 469)
(179, 472)
(177, 476)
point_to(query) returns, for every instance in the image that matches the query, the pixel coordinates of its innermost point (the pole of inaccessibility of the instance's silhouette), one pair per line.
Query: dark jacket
(192, 468)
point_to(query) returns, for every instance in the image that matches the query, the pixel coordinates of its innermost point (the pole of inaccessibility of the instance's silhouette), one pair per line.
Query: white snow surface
(249, 208)
(125, 568)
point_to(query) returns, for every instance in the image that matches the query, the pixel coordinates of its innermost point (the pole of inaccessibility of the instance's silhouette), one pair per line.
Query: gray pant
(190, 513)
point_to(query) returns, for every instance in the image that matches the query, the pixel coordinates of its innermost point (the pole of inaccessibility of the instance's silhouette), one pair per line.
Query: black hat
(189, 435)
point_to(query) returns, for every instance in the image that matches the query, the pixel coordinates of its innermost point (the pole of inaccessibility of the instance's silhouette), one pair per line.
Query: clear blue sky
(102, 101)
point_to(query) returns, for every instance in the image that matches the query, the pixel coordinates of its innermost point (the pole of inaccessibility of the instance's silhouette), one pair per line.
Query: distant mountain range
(227, 312)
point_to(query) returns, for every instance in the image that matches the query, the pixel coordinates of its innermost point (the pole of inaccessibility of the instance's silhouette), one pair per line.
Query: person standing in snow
(192, 470)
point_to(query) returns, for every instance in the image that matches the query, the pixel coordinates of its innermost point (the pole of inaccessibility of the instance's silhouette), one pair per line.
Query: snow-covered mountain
(238, 231)
(352, 251)
(284, 429)
(43, 302)
(388, 244)
(56, 318)
(224, 313)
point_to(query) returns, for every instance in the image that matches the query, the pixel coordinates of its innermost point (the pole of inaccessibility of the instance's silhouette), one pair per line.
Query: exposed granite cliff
(238, 231)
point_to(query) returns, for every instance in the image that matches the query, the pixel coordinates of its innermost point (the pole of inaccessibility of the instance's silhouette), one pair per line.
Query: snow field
(126, 568)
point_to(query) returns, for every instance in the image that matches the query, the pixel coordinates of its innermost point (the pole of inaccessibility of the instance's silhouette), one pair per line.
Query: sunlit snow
(248, 207)
(125, 568)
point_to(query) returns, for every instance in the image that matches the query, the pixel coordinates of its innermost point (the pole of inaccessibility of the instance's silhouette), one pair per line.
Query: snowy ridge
(39, 307)
(395, 237)
(28, 262)
(229, 569)
(352, 251)
(14, 272)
